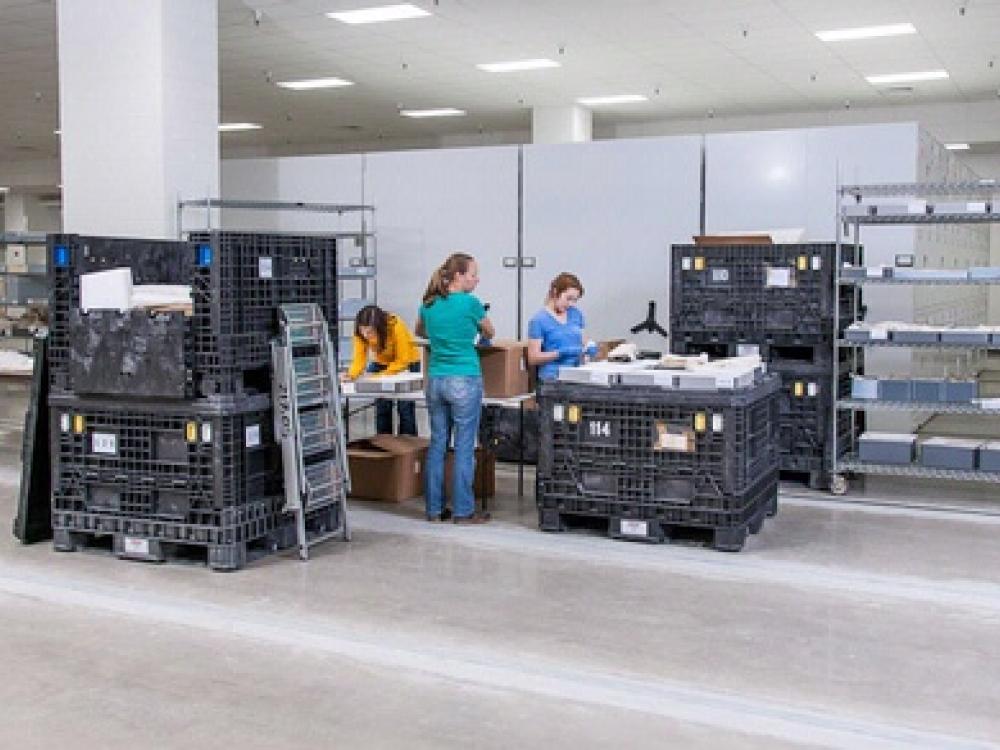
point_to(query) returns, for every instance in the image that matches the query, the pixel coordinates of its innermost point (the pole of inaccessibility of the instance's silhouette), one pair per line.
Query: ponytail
(439, 285)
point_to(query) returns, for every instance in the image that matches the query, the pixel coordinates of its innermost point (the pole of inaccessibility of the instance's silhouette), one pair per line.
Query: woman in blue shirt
(555, 333)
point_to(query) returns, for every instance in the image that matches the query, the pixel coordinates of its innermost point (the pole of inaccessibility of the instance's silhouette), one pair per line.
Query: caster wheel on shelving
(838, 485)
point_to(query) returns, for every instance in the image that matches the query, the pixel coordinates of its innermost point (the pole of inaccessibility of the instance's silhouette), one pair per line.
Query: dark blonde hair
(437, 287)
(562, 282)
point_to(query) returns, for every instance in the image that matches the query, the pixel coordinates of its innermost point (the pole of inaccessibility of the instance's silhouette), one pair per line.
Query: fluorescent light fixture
(232, 127)
(314, 83)
(442, 112)
(957, 146)
(596, 101)
(381, 13)
(866, 32)
(516, 66)
(4, 189)
(890, 78)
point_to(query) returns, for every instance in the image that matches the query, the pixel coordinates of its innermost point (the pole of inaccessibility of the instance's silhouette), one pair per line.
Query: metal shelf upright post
(983, 207)
(29, 273)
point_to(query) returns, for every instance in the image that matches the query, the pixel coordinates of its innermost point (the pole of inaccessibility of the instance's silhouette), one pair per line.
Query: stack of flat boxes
(161, 420)
(778, 301)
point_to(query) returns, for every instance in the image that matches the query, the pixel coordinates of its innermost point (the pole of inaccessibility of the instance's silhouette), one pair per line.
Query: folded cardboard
(387, 467)
(505, 368)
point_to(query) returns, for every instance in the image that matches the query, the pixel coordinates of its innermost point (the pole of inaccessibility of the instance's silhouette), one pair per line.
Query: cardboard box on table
(387, 467)
(505, 368)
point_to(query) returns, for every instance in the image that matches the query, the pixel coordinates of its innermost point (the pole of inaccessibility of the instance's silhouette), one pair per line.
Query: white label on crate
(104, 442)
(136, 546)
(206, 433)
(598, 428)
(635, 528)
(64, 422)
(717, 423)
(253, 436)
(673, 441)
(685, 264)
(779, 277)
(720, 275)
(812, 390)
(817, 263)
(558, 413)
(265, 268)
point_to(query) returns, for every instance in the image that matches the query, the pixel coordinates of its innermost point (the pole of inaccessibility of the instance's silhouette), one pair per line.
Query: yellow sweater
(399, 353)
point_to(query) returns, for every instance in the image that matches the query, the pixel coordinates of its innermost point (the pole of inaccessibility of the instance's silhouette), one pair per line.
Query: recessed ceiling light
(957, 146)
(927, 75)
(232, 127)
(596, 101)
(442, 112)
(517, 65)
(381, 13)
(866, 32)
(314, 83)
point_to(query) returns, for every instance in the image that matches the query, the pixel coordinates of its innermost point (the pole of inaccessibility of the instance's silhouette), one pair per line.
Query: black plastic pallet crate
(237, 281)
(185, 463)
(500, 428)
(788, 291)
(699, 450)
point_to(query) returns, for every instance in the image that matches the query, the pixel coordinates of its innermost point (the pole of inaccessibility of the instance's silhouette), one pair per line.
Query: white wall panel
(608, 211)
(432, 203)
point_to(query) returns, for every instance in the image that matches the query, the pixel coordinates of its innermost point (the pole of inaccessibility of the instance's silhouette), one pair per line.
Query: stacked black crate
(654, 463)
(161, 420)
(777, 300)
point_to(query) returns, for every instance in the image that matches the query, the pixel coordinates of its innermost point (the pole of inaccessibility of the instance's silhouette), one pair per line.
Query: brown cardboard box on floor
(505, 368)
(387, 467)
(484, 483)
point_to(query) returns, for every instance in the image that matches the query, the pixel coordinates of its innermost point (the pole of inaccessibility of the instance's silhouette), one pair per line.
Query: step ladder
(308, 423)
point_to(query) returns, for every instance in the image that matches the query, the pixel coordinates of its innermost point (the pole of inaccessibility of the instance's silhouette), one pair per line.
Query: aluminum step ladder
(309, 425)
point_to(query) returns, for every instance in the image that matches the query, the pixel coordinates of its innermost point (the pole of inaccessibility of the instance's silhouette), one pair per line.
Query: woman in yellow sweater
(389, 341)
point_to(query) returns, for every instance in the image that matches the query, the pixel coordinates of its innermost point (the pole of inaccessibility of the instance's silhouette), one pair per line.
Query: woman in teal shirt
(451, 317)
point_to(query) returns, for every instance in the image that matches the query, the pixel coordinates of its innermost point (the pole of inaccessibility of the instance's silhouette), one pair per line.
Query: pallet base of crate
(219, 548)
(656, 531)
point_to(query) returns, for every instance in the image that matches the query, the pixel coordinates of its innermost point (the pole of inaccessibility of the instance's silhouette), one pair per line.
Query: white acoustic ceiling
(732, 57)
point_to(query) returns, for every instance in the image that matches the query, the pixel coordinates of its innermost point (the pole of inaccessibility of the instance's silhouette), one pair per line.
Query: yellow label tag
(191, 432)
(78, 424)
(699, 263)
(573, 414)
(799, 389)
(803, 263)
(700, 422)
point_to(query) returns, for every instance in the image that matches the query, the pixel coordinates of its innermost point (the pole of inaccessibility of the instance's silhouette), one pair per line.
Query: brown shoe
(475, 518)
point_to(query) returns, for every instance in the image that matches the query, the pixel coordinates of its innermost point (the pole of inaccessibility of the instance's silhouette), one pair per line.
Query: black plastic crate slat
(237, 280)
(688, 452)
(190, 463)
(724, 290)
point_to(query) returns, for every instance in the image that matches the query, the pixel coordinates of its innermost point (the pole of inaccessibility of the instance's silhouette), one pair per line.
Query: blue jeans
(454, 403)
(383, 409)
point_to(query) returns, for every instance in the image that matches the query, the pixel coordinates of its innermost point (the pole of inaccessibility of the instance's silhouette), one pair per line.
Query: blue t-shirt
(556, 336)
(452, 324)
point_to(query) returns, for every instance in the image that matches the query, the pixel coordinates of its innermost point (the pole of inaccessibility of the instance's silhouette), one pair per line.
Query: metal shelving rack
(983, 191)
(30, 272)
(361, 268)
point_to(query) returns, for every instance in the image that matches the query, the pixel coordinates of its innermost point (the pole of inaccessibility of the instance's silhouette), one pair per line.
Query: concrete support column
(561, 124)
(139, 112)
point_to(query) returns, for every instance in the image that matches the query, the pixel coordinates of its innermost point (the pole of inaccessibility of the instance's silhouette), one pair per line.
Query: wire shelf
(914, 406)
(978, 188)
(853, 465)
(879, 343)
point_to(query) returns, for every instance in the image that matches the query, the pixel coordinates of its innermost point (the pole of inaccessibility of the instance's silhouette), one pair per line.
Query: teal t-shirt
(452, 325)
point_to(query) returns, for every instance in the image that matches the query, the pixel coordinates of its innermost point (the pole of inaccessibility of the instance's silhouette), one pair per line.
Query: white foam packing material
(154, 295)
(106, 290)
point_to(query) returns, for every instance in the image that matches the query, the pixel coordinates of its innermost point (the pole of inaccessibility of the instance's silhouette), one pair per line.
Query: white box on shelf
(106, 290)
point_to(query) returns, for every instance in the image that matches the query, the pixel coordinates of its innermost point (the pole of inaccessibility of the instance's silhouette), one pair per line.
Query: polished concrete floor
(870, 625)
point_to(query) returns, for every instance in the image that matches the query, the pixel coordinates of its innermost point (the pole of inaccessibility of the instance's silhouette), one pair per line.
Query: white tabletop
(347, 392)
